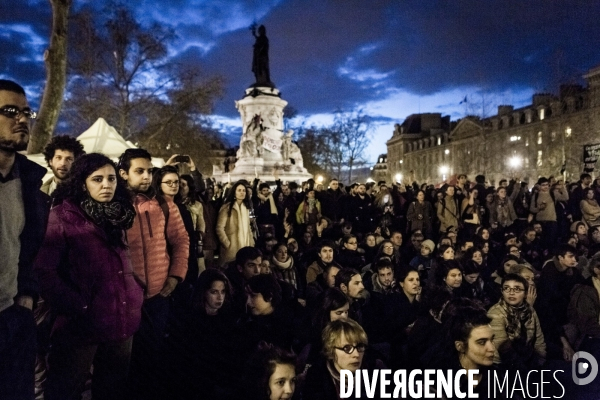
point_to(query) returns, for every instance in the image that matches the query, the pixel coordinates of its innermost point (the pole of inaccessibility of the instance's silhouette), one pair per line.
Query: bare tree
(55, 59)
(353, 132)
(120, 71)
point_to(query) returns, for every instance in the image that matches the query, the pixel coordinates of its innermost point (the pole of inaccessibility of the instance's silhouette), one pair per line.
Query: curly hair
(261, 366)
(73, 188)
(63, 142)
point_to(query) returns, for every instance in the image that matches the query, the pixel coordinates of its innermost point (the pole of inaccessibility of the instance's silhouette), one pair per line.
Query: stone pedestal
(265, 158)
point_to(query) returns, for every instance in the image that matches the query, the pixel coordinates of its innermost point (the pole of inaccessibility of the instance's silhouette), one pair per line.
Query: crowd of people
(152, 283)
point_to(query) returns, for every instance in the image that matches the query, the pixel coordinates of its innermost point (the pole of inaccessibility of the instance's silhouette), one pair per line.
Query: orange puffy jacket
(148, 245)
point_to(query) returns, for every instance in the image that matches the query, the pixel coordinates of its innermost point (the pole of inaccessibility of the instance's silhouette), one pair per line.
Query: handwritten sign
(591, 153)
(273, 145)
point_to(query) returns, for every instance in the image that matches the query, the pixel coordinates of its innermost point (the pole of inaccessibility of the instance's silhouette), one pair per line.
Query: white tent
(103, 138)
(99, 138)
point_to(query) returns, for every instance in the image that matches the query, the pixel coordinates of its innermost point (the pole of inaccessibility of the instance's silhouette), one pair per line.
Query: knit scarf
(285, 271)
(113, 217)
(311, 205)
(243, 231)
(516, 317)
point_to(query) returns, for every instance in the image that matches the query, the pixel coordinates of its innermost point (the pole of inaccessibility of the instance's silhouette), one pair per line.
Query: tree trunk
(55, 58)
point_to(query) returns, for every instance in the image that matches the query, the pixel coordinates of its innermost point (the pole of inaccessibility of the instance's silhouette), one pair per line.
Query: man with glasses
(159, 246)
(23, 217)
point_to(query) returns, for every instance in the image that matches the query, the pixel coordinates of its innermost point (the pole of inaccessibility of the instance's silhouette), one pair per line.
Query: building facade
(541, 139)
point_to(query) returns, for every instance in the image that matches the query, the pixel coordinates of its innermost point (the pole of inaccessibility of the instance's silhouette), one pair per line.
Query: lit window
(515, 138)
(568, 132)
(527, 162)
(553, 136)
(539, 158)
(439, 141)
(540, 137)
(527, 142)
(542, 113)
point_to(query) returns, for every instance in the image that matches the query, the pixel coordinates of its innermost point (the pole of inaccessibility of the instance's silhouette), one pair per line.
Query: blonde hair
(332, 335)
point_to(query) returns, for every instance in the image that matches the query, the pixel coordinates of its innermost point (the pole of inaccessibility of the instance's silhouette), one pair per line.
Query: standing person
(191, 200)
(309, 211)
(448, 210)
(159, 246)
(419, 215)
(86, 277)
(24, 212)
(543, 206)
(333, 201)
(165, 183)
(233, 223)
(60, 154)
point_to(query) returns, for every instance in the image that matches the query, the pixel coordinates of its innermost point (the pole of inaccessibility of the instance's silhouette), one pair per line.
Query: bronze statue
(260, 61)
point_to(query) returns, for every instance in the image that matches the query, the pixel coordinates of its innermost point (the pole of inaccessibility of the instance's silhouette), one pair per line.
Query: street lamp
(320, 179)
(444, 170)
(514, 162)
(398, 177)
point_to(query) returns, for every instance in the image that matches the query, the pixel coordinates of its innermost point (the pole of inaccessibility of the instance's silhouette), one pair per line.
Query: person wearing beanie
(423, 262)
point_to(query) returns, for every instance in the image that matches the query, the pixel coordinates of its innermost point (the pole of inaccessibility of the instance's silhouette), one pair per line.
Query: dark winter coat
(88, 282)
(36, 205)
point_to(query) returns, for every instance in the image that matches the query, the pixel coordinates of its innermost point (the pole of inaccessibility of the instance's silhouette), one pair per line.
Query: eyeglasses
(349, 349)
(14, 112)
(507, 289)
(171, 183)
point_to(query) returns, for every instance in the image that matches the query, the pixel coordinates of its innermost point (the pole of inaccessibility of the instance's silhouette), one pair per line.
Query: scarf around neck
(113, 217)
(516, 318)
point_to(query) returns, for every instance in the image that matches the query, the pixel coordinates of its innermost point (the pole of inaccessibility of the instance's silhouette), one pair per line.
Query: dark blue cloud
(331, 54)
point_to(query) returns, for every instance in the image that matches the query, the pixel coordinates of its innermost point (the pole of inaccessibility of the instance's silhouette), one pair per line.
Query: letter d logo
(583, 367)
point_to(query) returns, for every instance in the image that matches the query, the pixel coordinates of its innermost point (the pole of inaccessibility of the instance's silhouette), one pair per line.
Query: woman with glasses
(348, 256)
(166, 182)
(234, 228)
(518, 336)
(344, 346)
(85, 275)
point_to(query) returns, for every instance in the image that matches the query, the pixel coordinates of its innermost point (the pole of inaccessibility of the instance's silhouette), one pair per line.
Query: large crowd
(155, 283)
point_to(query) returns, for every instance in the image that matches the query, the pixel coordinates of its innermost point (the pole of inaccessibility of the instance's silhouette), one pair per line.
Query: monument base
(265, 151)
(249, 168)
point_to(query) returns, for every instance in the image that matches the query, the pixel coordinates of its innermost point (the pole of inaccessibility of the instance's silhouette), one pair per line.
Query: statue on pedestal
(260, 60)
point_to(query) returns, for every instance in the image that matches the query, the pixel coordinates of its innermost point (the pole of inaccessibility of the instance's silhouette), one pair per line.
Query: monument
(265, 149)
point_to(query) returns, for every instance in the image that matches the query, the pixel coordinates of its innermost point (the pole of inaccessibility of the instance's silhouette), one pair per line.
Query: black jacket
(37, 206)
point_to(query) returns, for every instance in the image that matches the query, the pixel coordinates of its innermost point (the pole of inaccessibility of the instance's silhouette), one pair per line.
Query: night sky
(391, 58)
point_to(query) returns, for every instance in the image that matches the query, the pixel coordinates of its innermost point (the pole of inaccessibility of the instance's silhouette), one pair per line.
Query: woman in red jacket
(85, 275)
